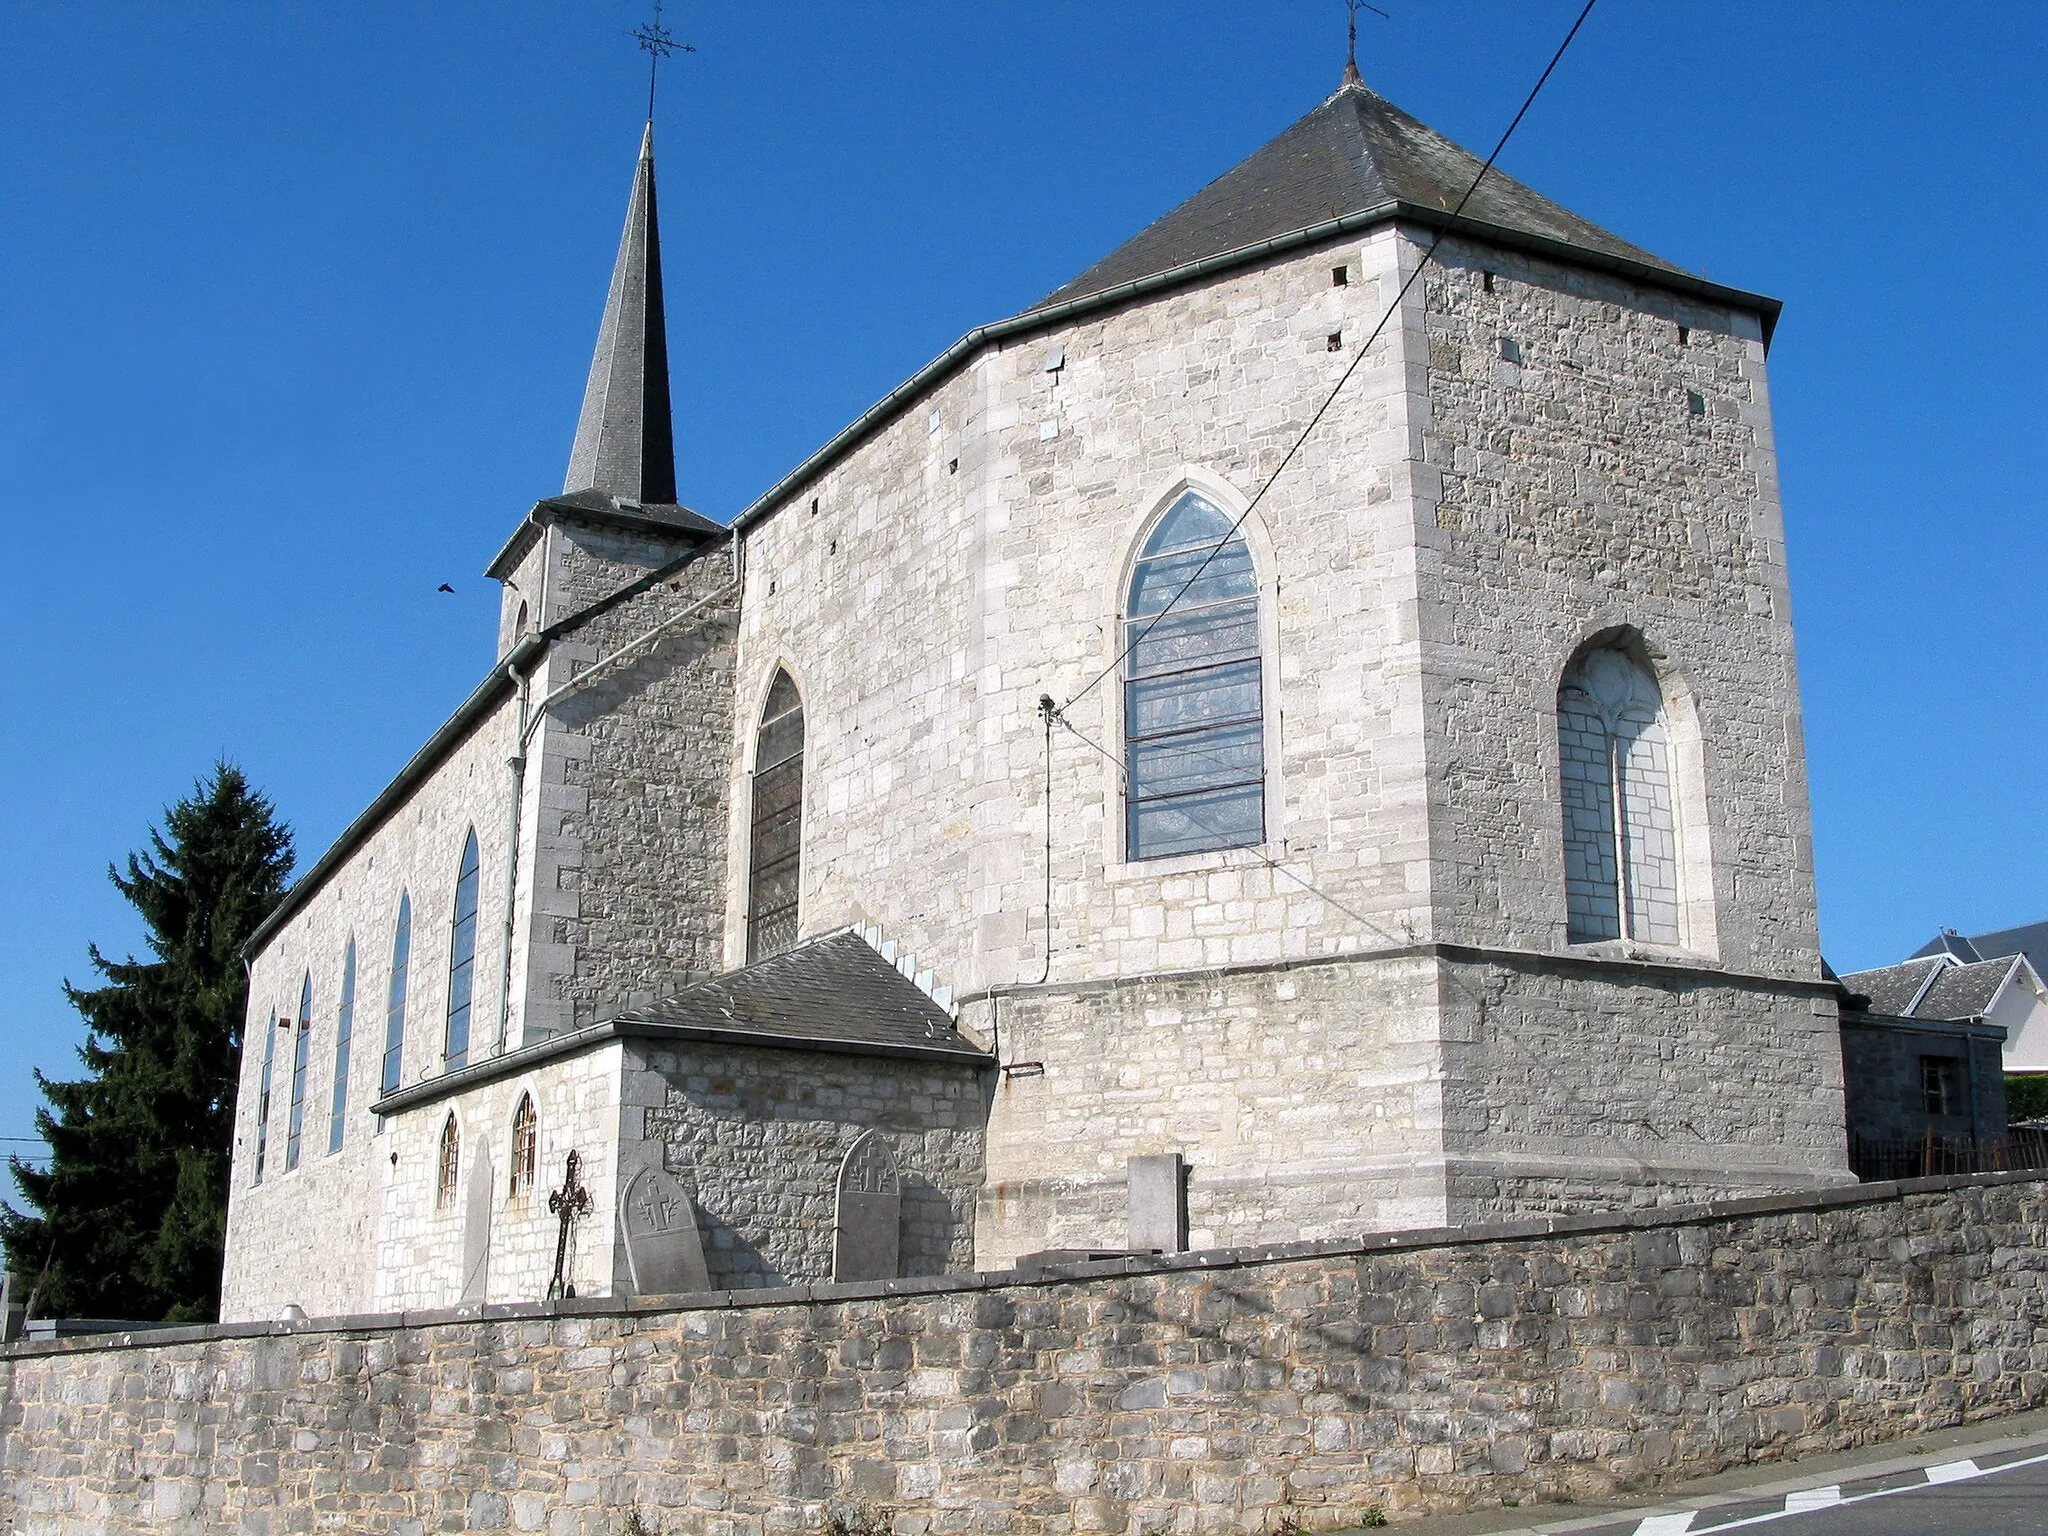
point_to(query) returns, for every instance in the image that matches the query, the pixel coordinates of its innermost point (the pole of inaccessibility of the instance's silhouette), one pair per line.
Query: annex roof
(1354, 153)
(2030, 939)
(1937, 986)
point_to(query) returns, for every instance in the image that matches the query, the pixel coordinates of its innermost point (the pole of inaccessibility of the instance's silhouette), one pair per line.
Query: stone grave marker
(1157, 1191)
(658, 1225)
(869, 1215)
(476, 1230)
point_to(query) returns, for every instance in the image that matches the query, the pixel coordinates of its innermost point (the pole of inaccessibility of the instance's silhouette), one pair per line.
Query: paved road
(2006, 1496)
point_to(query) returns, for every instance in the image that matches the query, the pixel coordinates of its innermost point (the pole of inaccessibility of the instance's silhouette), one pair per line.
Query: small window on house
(1620, 820)
(1194, 702)
(462, 956)
(1510, 350)
(1941, 1085)
(525, 1148)
(263, 1097)
(449, 1165)
(302, 1048)
(394, 1008)
(1695, 403)
(776, 868)
(344, 1031)
(1340, 277)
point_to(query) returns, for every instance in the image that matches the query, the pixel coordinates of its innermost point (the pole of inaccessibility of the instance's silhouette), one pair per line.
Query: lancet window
(525, 1148)
(1194, 694)
(302, 1049)
(775, 870)
(394, 1007)
(449, 1165)
(263, 1099)
(462, 956)
(1620, 814)
(344, 1034)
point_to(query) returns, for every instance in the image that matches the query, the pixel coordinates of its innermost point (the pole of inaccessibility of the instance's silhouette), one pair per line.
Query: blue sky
(297, 301)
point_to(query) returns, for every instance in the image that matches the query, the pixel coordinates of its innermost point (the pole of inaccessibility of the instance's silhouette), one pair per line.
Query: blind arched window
(775, 870)
(1194, 701)
(344, 1033)
(449, 1166)
(462, 956)
(1620, 821)
(525, 1147)
(394, 1008)
(302, 1049)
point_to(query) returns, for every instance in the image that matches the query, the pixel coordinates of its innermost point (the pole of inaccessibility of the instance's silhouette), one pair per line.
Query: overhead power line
(1345, 378)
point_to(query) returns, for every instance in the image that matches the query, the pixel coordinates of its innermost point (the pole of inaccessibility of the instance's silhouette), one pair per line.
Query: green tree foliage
(128, 1218)
(2026, 1096)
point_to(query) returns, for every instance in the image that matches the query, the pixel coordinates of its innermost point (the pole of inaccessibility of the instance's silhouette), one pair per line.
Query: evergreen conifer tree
(128, 1218)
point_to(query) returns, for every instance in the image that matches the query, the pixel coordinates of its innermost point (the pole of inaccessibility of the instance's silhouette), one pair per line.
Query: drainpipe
(525, 646)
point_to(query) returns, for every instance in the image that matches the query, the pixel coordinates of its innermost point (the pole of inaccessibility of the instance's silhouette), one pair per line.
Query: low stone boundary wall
(1409, 1373)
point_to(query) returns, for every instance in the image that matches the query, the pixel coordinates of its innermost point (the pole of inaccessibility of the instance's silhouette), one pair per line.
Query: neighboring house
(1990, 979)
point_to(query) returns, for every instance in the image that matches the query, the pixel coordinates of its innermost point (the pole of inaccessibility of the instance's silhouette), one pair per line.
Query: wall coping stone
(828, 1294)
(1702, 973)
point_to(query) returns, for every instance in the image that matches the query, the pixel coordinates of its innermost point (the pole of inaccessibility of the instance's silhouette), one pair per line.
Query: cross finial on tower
(657, 42)
(1351, 74)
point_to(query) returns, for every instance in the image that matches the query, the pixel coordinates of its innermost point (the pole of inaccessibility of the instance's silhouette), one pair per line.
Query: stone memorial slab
(868, 1219)
(476, 1230)
(1157, 1191)
(658, 1227)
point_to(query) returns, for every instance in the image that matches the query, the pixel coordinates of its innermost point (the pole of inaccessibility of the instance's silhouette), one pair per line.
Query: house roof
(2030, 940)
(1354, 153)
(1893, 989)
(1965, 991)
(836, 989)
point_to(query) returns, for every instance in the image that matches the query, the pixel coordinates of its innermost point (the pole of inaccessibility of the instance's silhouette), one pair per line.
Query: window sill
(1209, 861)
(1654, 954)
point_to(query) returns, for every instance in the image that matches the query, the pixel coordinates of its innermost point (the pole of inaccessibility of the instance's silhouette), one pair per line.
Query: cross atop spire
(625, 438)
(1351, 74)
(657, 42)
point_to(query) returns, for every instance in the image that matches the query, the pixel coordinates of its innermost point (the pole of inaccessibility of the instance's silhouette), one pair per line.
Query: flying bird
(446, 588)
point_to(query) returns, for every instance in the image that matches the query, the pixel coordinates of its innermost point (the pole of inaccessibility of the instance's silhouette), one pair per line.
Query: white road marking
(1667, 1525)
(1812, 1498)
(1954, 1471)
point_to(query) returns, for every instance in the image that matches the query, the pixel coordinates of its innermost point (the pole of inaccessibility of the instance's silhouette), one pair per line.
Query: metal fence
(1905, 1157)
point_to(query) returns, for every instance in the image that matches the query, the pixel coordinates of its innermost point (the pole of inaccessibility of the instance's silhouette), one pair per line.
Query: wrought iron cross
(566, 1204)
(657, 42)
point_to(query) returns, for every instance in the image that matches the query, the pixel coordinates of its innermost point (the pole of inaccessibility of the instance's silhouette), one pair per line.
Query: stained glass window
(302, 1048)
(462, 956)
(449, 1165)
(525, 1147)
(344, 1034)
(1194, 692)
(394, 1008)
(776, 868)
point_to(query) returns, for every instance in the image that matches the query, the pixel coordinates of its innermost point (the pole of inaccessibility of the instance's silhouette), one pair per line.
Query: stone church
(1082, 807)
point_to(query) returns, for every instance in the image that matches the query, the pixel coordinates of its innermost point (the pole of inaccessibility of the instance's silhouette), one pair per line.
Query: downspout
(517, 764)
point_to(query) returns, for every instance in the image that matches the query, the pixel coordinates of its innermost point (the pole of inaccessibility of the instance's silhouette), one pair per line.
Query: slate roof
(1355, 153)
(1893, 988)
(833, 990)
(1965, 991)
(2030, 940)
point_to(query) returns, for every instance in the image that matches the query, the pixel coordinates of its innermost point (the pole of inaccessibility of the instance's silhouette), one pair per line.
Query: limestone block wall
(309, 1235)
(631, 817)
(757, 1137)
(1575, 491)
(1306, 1099)
(971, 555)
(1406, 1374)
(1572, 1086)
(428, 1247)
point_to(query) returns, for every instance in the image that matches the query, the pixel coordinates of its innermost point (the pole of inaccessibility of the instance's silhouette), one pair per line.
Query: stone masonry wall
(1216, 1393)
(757, 1136)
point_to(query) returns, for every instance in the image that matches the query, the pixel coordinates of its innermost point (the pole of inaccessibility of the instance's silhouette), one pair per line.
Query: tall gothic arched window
(302, 1050)
(448, 1166)
(1620, 815)
(525, 1148)
(394, 1007)
(344, 1034)
(462, 956)
(775, 869)
(1194, 693)
(263, 1097)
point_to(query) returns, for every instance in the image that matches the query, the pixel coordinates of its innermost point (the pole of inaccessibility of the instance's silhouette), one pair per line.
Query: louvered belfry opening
(775, 871)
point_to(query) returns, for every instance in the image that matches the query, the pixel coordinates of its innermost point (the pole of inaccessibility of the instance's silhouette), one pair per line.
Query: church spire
(625, 438)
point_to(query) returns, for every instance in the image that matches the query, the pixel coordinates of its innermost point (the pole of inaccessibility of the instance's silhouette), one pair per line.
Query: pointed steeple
(625, 438)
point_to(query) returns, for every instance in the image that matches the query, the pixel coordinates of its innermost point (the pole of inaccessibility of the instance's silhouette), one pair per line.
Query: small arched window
(462, 956)
(775, 870)
(302, 1049)
(394, 1008)
(525, 1148)
(1620, 816)
(1194, 699)
(344, 1033)
(448, 1167)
